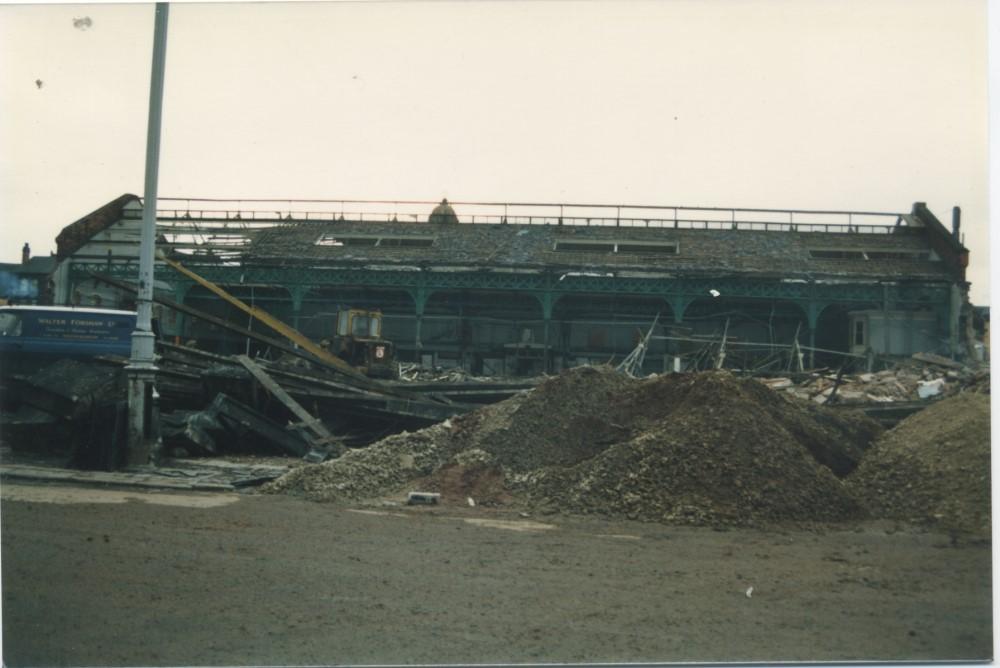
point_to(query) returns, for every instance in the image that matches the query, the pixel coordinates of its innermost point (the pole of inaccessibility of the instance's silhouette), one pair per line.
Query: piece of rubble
(931, 358)
(850, 396)
(423, 498)
(930, 388)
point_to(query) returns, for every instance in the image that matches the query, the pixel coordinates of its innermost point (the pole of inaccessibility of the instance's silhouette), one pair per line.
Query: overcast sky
(732, 103)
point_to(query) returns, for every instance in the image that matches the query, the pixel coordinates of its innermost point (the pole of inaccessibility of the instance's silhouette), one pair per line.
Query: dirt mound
(933, 468)
(383, 466)
(709, 448)
(458, 482)
(696, 448)
(551, 425)
(836, 440)
(564, 420)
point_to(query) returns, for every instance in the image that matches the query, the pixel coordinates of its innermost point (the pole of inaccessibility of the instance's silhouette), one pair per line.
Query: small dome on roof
(443, 213)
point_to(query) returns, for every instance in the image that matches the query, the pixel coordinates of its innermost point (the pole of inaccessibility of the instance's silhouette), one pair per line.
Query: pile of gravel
(711, 449)
(363, 474)
(693, 448)
(933, 468)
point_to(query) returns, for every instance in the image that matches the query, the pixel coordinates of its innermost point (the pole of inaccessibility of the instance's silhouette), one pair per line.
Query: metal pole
(141, 369)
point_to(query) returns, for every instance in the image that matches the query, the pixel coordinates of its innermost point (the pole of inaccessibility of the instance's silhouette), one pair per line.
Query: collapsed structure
(519, 289)
(703, 448)
(502, 289)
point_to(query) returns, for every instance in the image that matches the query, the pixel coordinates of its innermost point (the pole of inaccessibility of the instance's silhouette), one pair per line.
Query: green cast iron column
(678, 304)
(298, 294)
(181, 289)
(420, 297)
(547, 300)
(813, 309)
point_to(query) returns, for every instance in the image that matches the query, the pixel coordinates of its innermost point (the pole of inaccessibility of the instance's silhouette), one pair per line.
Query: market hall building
(501, 288)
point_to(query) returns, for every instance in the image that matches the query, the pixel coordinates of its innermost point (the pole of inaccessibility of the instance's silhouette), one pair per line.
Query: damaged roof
(76, 235)
(901, 252)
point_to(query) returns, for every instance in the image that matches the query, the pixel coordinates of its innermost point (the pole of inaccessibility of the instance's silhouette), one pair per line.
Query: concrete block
(423, 498)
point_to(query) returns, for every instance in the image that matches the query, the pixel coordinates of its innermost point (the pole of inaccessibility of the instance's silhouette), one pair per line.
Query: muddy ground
(118, 577)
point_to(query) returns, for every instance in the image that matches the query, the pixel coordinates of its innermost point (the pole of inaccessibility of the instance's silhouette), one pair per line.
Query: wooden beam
(322, 436)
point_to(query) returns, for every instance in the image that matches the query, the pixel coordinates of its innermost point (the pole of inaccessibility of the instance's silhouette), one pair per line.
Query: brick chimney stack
(25, 253)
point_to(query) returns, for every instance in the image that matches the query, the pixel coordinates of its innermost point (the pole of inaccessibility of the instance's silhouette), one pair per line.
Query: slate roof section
(76, 235)
(42, 265)
(699, 252)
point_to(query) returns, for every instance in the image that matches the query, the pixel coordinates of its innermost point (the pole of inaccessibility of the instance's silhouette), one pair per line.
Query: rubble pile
(416, 372)
(918, 378)
(364, 473)
(696, 448)
(67, 408)
(933, 468)
(552, 425)
(709, 449)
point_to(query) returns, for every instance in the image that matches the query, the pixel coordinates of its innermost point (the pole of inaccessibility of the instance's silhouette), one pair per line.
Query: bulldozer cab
(359, 342)
(359, 324)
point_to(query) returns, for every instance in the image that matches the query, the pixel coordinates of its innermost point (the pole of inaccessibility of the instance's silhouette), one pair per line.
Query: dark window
(897, 255)
(668, 249)
(10, 324)
(859, 332)
(405, 242)
(836, 254)
(585, 247)
(331, 240)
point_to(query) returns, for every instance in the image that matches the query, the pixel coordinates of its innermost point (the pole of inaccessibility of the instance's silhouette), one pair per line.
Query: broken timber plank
(324, 437)
(931, 358)
(233, 411)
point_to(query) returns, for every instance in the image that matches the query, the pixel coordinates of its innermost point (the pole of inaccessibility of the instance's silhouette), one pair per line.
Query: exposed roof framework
(223, 229)
(665, 240)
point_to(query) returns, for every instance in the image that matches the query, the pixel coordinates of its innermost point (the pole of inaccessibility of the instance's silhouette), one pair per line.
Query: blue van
(31, 336)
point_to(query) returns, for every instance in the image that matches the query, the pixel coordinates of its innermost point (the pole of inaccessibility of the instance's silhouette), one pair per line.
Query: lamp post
(141, 370)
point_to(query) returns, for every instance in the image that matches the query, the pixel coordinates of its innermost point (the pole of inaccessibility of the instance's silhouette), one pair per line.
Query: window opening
(831, 254)
(383, 242)
(10, 324)
(616, 247)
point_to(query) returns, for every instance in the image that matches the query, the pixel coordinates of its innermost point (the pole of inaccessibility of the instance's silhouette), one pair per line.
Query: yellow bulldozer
(358, 341)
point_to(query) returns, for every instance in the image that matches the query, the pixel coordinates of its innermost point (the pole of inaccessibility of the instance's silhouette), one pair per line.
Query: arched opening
(833, 335)
(759, 333)
(594, 329)
(484, 332)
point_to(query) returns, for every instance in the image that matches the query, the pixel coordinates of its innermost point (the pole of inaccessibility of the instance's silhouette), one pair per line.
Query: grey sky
(745, 103)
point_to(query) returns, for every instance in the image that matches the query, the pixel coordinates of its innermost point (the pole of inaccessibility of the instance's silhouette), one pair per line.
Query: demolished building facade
(522, 289)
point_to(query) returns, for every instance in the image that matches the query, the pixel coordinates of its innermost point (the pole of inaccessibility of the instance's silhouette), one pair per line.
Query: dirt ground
(95, 576)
